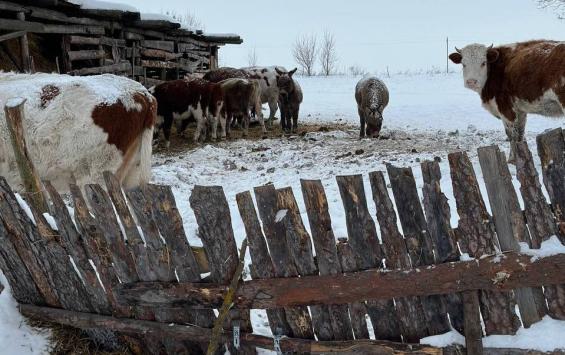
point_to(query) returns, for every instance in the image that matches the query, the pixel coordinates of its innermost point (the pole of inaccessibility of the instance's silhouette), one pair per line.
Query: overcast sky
(400, 34)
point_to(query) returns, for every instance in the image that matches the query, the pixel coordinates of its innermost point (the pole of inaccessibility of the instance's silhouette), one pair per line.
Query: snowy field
(428, 116)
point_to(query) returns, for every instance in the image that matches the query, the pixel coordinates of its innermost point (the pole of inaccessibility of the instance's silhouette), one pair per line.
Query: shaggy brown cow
(516, 79)
(224, 73)
(290, 98)
(184, 99)
(240, 95)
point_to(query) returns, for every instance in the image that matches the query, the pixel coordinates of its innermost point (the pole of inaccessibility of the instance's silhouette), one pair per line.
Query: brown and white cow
(81, 127)
(267, 77)
(240, 96)
(186, 99)
(516, 79)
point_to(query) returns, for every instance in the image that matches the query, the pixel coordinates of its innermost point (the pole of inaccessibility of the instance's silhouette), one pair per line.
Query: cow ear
(278, 71)
(290, 73)
(492, 55)
(456, 57)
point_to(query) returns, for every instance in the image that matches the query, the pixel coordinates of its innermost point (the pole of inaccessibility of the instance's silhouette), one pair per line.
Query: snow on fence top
(103, 5)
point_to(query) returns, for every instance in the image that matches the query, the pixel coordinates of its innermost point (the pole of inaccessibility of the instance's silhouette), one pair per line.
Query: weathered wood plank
(500, 272)
(326, 252)
(158, 64)
(157, 53)
(37, 27)
(510, 225)
(477, 237)
(103, 210)
(365, 244)
(409, 310)
(473, 330)
(12, 35)
(357, 310)
(551, 148)
(215, 230)
(180, 332)
(71, 241)
(261, 265)
(300, 248)
(297, 318)
(86, 55)
(113, 68)
(168, 46)
(438, 215)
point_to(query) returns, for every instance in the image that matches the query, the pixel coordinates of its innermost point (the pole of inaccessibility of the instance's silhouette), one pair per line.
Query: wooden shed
(62, 36)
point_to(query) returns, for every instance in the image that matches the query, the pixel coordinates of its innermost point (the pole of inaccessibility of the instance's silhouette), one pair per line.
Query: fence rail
(134, 272)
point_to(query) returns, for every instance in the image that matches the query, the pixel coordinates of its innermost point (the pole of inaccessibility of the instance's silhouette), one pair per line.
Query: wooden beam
(14, 111)
(24, 46)
(159, 25)
(37, 27)
(120, 67)
(502, 272)
(195, 333)
(12, 35)
(158, 64)
(86, 55)
(168, 46)
(157, 53)
(95, 41)
(8, 6)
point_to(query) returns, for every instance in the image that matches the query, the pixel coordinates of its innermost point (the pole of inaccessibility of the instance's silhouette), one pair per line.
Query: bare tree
(328, 55)
(252, 58)
(356, 70)
(188, 20)
(304, 51)
(558, 6)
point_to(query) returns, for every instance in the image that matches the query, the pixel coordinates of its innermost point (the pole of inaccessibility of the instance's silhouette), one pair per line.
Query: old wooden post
(510, 225)
(24, 46)
(14, 111)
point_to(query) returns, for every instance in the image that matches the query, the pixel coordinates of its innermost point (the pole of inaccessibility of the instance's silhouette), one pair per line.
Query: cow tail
(146, 150)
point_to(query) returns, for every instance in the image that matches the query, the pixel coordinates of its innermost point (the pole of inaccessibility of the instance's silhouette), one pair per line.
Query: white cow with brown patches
(267, 77)
(81, 127)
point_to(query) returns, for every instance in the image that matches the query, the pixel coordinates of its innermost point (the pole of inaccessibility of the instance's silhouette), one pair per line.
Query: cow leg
(245, 124)
(515, 131)
(223, 125)
(362, 124)
(259, 114)
(213, 127)
(167, 125)
(295, 119)
(200, 122)
(273, 107)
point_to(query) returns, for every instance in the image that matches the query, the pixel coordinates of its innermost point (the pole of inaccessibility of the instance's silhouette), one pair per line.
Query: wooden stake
(24, 46)
(228, 302)
(14, 110)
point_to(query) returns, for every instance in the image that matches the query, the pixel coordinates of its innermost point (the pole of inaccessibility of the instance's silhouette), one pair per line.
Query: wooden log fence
(134, 272)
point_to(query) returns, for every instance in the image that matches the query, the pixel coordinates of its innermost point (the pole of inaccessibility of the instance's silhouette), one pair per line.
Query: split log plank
(438, 215)
(157, 53)
(365, 244)
(37, 27)
(261, 265)
(473, 330)
(12, 35)
(477, 237)
(158, 64)
(114, 68)
(510, 225)
(168, 46)
(189, 332)
(86, 55)
(326, 251)
(357, 310)
(410, 310)
(298, 318)
(508, 270)
(300, 247)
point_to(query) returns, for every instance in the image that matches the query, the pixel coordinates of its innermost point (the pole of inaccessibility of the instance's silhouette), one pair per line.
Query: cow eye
(483, 64)
(464, 66)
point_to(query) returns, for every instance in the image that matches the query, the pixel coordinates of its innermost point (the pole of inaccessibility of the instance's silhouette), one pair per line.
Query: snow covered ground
(428, 116)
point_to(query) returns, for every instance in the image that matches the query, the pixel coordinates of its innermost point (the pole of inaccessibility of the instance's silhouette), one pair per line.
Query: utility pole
(447, 55)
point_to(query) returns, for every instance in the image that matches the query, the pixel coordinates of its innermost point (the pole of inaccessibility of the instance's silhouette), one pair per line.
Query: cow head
(475, 59)
(285, 83)
(374, 118)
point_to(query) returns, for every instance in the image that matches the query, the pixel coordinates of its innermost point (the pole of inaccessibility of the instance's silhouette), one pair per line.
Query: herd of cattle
(78, 127)
(227, 96)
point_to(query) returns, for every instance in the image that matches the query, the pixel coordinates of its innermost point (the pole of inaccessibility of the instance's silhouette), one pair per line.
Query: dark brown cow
(224, 73)
(184, 99)
(290, 98)
(516, 79)
(240, 95)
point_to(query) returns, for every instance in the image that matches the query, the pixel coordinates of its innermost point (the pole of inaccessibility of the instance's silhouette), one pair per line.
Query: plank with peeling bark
(410, 310)
(37, 27)
(500, 272)
(86, 54)
(326, 251)
(477, 237)
(300, 248)
(261, 265)
(357, 310)
(297, 318)
(438, 215)
(510, 225)
(213, 217)
(365, 244)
